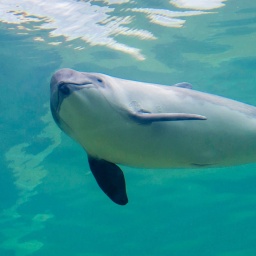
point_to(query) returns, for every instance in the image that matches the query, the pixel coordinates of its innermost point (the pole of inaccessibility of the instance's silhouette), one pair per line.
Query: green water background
(49, 202)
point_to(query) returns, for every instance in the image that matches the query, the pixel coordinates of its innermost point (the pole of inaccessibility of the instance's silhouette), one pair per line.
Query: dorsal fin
(183, 85)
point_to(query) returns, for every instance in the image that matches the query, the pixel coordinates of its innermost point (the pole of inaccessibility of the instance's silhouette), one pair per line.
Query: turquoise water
(50, 203)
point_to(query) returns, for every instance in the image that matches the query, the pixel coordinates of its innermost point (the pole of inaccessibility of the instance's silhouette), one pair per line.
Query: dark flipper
(110, 178)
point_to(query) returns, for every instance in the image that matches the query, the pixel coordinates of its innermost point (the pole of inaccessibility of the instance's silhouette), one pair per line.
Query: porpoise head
(83, 87)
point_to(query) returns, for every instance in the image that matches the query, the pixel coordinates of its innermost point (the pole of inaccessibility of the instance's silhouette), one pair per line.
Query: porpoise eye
(99, 80)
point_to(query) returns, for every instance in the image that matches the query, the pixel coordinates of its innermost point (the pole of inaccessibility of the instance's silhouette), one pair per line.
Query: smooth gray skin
(147, 125)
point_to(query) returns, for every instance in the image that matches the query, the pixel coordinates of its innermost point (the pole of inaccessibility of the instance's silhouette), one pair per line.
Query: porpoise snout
(61, 81)
(58, 84)
(65, 75)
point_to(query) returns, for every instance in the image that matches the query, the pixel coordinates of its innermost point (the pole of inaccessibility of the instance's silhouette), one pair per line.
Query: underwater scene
(50, 202)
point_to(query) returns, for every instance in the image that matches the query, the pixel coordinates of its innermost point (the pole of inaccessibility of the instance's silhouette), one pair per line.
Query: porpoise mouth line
(81, 84)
